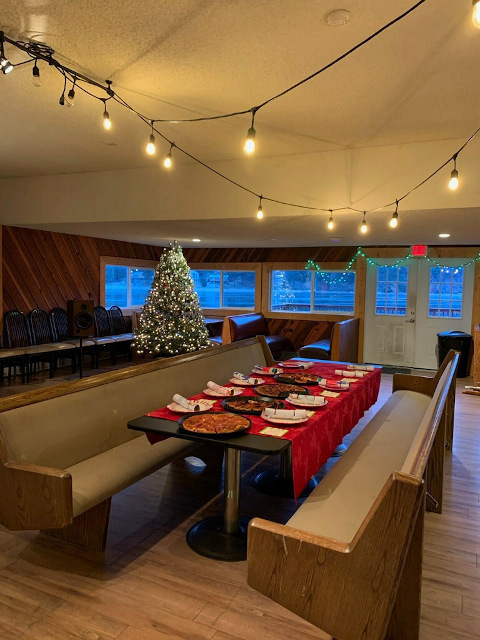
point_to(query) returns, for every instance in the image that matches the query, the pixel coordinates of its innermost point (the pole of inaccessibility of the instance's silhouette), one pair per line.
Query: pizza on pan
(297, 378)
(278, 390)
(215, 423)
(251, 405)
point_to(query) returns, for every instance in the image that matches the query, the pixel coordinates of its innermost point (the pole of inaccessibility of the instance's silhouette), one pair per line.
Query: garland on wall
(328, 277)
(75, 80)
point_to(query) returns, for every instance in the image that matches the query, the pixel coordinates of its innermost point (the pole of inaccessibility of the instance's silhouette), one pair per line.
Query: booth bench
(350, 559)
(341, 346)
(249, 325)
(66, 450)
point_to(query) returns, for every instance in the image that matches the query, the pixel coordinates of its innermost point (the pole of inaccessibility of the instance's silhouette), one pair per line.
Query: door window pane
(291, 291)
(334, 292)
(207, 286)
(116, 285)
(446, 291)
(239, 289)
(140, 285)
(391, 295)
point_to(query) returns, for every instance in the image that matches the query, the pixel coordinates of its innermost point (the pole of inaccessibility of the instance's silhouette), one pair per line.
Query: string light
(453, 182)
(36, 75)
(476, 14)
(331, 224)
(364, 227)
(249, 146)
(394, 221)
(168, 160)
(107, 123)
(71, 94)
(260, 210)
(151, 148)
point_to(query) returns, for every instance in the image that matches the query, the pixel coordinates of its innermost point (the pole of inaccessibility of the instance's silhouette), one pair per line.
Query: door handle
(411, 321)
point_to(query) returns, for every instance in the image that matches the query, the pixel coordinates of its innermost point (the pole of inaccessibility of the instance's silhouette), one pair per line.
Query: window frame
(121, 262)
(451, 284)
(268, 267)
(232, 266)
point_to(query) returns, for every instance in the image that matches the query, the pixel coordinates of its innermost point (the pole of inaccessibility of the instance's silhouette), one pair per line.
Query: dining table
(305, 446)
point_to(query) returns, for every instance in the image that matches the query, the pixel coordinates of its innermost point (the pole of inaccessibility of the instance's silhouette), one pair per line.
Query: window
(446, 290)
(303, 291)
(225, 289)
(392, 283)
(127, 286)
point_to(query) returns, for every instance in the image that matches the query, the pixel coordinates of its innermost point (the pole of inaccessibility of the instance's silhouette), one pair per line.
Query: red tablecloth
(313, 442)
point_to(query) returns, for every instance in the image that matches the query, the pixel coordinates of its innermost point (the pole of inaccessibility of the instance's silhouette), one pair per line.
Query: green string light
(374, 263)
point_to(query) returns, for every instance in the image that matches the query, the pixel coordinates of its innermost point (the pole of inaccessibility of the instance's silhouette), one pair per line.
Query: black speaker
(80, 318)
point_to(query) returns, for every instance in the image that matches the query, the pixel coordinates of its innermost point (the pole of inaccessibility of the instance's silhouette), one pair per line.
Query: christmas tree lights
(172, 321)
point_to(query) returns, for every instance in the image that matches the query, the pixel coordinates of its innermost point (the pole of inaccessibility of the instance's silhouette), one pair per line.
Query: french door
(407, 305)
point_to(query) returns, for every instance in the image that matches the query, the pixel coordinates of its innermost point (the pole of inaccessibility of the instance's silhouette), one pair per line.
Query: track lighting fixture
(394, 221)
(249, 146)
(364, 227)
(36, 75)
(453, 182)
(5, 65)
(168, 160)
(476, 14)
(107, 123)
(331, 224)
(260, 210)
(151, 148)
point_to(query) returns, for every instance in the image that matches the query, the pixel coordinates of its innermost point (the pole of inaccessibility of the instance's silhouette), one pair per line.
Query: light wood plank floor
(150, 586)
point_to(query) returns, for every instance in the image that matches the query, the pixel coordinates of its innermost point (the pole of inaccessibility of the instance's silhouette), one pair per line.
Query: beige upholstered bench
(65, 450)
(349, 559)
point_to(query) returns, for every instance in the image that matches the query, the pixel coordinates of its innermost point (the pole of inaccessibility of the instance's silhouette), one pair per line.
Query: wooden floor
(150, 586)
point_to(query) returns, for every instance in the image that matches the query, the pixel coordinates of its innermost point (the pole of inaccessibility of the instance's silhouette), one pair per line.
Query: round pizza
(251, 405)
(297, 378)
(214, 423)
(278, 390)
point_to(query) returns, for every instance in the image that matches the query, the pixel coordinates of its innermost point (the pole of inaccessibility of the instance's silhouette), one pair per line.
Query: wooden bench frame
(369, 588)
(39, 497)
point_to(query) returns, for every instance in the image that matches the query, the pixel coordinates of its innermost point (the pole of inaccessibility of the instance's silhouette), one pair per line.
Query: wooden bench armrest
(35, 497)
(408, 382)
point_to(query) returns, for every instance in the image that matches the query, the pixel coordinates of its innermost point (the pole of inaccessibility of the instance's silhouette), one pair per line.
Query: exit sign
(419, 250)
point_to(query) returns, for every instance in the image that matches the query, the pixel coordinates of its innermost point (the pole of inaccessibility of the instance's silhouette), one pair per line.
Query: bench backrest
(344, 341)
(349, 589)
(243, 326)
(63, 425)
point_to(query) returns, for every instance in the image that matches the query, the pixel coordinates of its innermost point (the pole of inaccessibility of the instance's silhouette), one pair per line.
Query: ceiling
(362, 133)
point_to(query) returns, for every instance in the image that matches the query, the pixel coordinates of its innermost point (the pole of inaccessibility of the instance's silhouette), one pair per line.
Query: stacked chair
(104, 329)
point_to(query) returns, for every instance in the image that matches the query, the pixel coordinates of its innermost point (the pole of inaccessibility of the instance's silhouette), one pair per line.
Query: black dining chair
(18, 335)
(119, 330)
(59, 322)
(42, 334)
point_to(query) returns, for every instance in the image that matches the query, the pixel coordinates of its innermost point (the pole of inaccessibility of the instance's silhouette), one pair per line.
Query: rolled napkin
(225, 391)
(315, 401)
(299, 365)
(323, 382)
(243, 378)
(191, 405)
(360, 367)
(350, 374)
(258, 368)
(285, 414)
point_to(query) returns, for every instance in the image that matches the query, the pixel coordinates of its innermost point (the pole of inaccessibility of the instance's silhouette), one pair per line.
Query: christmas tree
(172, 321)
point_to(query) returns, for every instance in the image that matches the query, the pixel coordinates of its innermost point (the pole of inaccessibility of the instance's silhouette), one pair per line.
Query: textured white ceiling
(417, 83)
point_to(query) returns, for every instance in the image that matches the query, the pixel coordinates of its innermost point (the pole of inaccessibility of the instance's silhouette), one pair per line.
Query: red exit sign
(419, 250)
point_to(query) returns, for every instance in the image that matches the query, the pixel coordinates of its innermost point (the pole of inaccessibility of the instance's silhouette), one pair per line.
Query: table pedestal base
(209, 538)
(272, 483)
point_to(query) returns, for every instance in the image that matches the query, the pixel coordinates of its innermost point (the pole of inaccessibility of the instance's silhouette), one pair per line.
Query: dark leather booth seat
(249, 325)
(342, 346)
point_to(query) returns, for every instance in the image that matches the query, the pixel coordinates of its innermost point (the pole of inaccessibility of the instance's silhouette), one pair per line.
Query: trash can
(460, 341)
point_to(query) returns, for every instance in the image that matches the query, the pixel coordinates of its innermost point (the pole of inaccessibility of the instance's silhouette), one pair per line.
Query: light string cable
(45, 53)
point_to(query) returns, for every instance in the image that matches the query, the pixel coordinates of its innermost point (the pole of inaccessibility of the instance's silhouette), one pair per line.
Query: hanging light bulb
(260, 210)
(394, 221)
(249, 146)
(453, 182)
(71, 94)
(107, 123)
(168, 160)
(476, 14)
(151, 149)
(5, 65)
(36, 76)
(364, 227)
(331, 224)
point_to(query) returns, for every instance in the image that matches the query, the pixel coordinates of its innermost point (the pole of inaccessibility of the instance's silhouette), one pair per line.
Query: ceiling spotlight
(260, 210)
(107, 123)
(249, 146)
(36, 75)
(476, 14)
(338, 17)
(196, 240)
(443, 235)
(364, 227)
(331, 224)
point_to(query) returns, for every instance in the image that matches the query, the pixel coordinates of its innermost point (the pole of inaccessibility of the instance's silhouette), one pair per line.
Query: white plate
(306, 405)
(215, 394)
(295, 365)
(264, 372)
(205, 405)
(284, 421)
(245, 383)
